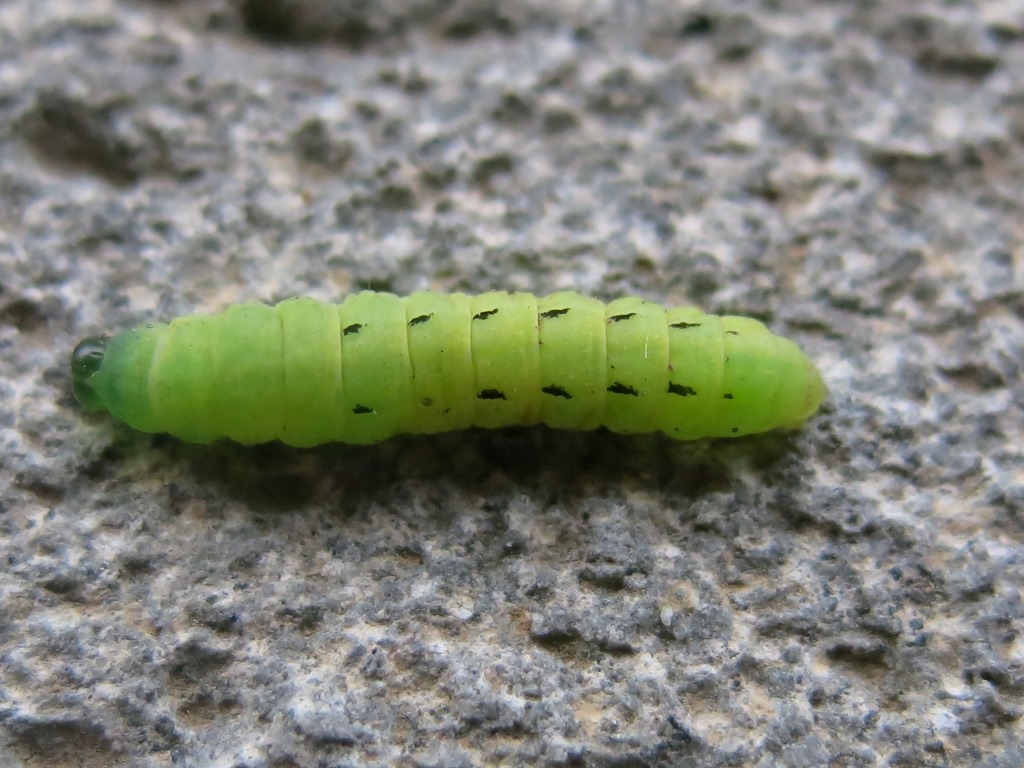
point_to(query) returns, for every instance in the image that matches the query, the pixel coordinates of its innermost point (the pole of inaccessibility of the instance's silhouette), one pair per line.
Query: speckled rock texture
(850, 172)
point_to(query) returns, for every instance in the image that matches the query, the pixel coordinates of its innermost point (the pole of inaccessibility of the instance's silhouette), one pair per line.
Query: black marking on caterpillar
(554, 313)
(619, 388)
(684, 325)
(556, 391)
(681, 389)
(359, 410)
(350, 329)
(420, 319)
(485, 314)
(620, 318)
(491, 394)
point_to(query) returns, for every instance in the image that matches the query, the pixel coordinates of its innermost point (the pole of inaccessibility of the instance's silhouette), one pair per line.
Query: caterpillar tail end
(86, 360)
(814, 394)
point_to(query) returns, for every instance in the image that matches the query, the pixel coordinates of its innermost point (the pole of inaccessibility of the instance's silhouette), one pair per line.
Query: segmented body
(305, 372)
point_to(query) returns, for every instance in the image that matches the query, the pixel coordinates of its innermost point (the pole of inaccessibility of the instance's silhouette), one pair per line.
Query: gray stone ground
(851, 172)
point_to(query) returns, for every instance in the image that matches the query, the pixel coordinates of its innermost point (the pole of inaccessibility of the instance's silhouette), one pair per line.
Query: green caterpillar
(376, 365)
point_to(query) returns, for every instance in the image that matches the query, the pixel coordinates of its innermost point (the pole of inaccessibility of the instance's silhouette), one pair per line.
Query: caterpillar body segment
(305, 372)
(574, 362)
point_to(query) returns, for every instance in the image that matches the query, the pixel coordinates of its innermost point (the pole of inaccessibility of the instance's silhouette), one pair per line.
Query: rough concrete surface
(850, 172)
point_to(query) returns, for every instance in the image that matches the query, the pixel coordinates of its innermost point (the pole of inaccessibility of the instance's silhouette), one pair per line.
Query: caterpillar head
(86, 360)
